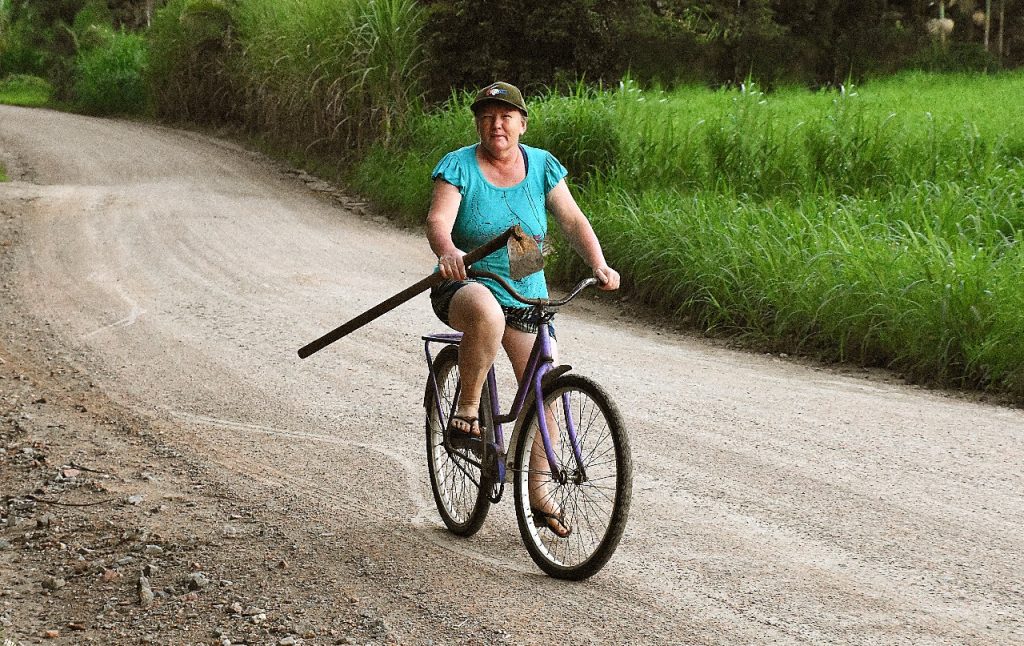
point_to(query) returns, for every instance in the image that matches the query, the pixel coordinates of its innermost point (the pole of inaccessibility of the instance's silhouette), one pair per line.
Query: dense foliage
(474, 42)
(190, 45)
(539, 44)
(25, 90)
(109, 76)
(333, 74)
(782, 41)
(878, 224)
(76, 47)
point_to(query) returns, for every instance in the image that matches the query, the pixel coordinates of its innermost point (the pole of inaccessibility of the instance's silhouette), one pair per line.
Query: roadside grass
(877, 224)
(330, 76)
(856, 141)
(3, 174)
(110, 74)
(25, 91)
(855, 280)
(188, 73)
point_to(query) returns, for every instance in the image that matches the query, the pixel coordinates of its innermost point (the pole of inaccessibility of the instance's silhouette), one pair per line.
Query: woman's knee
(474, 308)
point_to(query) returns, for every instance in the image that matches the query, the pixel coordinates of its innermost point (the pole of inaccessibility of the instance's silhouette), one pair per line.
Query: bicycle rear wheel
(460, 489)
(593, 493)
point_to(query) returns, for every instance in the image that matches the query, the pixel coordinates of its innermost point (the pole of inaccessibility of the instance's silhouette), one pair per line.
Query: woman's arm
(581, 235)
(444, 208)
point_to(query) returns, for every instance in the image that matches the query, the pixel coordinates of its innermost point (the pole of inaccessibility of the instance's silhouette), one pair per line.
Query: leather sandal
(459, 438)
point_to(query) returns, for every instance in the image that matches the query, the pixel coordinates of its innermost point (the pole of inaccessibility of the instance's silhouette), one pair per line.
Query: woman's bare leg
(475, 312)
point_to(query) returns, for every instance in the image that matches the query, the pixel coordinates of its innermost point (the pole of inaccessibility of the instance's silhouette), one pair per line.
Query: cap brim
(479, 102)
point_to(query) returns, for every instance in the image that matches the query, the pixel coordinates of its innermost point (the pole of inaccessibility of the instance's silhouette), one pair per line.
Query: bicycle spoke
(456, 481)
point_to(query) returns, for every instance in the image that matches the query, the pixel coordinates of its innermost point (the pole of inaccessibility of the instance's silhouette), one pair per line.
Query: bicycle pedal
(462, 441)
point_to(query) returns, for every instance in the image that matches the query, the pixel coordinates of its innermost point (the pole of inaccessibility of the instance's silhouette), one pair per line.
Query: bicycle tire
(460, 489)
(595, 509)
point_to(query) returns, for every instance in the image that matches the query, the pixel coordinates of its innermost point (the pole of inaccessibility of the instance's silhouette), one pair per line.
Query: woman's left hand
(608, 277)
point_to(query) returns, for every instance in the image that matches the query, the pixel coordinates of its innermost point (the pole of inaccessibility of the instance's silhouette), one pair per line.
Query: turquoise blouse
(487, 210)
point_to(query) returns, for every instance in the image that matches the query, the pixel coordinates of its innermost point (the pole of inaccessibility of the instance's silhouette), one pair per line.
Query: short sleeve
(554, 173)
(451, 170)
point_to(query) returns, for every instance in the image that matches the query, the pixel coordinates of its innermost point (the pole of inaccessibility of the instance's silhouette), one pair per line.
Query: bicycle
(588, 463)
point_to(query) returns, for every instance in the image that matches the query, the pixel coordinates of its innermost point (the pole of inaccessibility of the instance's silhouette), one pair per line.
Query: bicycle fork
(558, 474)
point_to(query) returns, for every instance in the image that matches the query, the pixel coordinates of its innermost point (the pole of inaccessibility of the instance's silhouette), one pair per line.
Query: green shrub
(93, 25)
(109, 78)
(94, 13)
(25, 90)
(22, 49)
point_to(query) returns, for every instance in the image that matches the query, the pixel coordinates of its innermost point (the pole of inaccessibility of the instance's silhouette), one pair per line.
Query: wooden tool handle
(401, 297)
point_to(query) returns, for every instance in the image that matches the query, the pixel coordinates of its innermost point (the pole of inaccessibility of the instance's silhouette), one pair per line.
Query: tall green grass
(877, 224)
(327, 77)
(328, 74)
(189, 79)
(925, 282)
(20, 51)
(796, 142)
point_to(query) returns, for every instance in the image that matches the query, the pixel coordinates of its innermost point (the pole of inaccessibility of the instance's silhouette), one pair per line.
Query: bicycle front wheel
(460, 489)
(592, 489)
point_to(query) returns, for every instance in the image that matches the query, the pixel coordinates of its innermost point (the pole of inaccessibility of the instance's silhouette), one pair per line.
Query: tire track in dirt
(440, 549)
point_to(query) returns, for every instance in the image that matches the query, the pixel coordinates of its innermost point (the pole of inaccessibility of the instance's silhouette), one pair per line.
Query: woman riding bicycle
(480, 191)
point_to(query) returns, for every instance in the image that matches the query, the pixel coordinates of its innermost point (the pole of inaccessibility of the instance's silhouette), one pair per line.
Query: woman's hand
(608, 277)
(452, 266)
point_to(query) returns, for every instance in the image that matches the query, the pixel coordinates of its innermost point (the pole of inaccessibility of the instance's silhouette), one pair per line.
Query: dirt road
(773, 502)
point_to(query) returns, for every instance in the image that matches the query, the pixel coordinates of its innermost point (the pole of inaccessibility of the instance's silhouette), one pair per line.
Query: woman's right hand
(452, 266)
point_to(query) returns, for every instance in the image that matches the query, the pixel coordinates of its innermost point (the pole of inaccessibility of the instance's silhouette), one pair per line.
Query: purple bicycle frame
(540, 364)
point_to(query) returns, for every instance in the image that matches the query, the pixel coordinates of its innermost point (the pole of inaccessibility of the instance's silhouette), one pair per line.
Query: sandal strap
(471, 422)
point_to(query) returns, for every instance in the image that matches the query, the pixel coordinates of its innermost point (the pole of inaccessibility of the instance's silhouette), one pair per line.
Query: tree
(742, 35)
(532, 43)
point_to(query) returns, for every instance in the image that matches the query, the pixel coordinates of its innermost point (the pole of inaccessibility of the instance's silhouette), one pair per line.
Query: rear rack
(451, 338)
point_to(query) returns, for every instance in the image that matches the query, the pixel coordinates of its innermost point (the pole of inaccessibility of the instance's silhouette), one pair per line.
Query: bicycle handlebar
(536, 302)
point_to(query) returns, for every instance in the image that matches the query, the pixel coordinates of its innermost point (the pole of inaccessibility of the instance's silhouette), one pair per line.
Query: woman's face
(499, 126)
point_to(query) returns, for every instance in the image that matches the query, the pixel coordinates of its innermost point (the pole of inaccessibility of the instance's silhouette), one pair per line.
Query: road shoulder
(111, 531)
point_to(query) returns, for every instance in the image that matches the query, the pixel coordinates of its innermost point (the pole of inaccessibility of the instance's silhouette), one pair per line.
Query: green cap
(501, 92)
